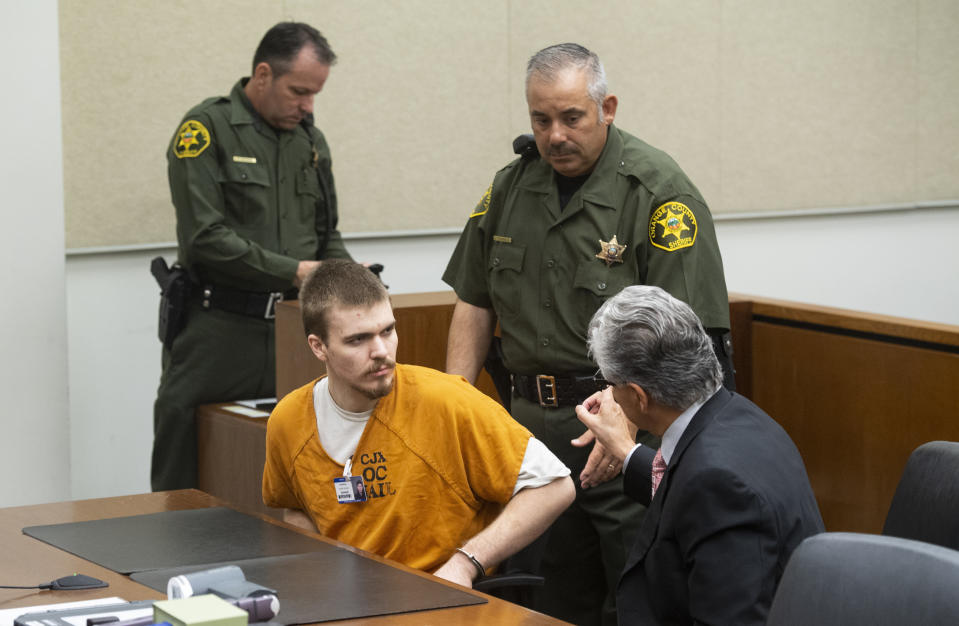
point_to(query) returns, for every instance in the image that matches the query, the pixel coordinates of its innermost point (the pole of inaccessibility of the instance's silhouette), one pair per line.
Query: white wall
(881, 263)
(34, 443)
(900, 263)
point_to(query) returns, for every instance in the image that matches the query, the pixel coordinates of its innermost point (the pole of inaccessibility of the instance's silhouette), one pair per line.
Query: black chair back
(925, 506)
(851, 579)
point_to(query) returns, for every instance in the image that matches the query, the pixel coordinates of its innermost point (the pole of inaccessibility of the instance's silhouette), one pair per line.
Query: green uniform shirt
(251, 201)
(537, 265)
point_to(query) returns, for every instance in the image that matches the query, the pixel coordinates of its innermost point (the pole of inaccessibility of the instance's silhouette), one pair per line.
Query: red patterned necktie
(659, 468)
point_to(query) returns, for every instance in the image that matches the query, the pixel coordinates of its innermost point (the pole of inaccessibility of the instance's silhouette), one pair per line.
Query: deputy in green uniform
(587, 212)
(255, 202)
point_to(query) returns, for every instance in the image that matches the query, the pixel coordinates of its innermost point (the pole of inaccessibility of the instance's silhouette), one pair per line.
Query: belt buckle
(270, 311)
(545, 380)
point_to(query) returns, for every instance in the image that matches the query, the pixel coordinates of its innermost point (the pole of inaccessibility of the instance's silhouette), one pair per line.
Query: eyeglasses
(600, 381)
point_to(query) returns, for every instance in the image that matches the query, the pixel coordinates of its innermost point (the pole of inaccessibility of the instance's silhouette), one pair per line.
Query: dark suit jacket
(734, 503)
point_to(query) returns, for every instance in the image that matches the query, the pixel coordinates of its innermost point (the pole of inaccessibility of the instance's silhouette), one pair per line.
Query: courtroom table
(28, 561)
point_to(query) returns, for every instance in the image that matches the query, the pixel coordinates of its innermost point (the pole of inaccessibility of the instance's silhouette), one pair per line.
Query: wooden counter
(857, 392)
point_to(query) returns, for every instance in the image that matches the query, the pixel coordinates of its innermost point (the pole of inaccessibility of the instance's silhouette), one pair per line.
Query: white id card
(349, 489)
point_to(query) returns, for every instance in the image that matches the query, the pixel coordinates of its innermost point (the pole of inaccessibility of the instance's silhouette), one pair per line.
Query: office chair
(852, 579)
(925, 506)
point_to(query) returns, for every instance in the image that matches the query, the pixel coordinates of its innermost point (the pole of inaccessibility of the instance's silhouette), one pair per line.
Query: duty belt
(555, 391)
(259, 304)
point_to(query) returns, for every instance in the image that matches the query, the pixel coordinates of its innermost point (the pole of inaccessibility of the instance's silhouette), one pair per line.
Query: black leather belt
(555, 391)
(259, 304)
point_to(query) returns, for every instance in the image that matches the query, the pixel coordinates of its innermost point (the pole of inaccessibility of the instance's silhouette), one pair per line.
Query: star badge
(612, 251)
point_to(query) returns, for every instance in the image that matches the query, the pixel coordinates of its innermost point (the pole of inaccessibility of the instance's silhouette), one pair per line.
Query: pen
(140, 621)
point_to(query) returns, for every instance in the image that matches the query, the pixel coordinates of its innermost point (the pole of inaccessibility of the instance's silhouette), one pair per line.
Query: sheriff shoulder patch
(672, 227)
(483, 206)
(191, 140)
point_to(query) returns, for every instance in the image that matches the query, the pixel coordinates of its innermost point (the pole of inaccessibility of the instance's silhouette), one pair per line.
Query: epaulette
(203, 107)
(659, 173)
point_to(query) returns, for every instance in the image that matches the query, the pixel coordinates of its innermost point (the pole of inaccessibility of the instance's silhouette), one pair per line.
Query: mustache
(563, 149)
(381, 363)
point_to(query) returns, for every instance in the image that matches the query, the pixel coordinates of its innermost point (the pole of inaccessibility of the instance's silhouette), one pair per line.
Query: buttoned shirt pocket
(308, 192)
(595, 282)
(506, 277)
(246, 194)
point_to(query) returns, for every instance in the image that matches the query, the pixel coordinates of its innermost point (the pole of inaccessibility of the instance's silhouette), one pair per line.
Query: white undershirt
(340, 431)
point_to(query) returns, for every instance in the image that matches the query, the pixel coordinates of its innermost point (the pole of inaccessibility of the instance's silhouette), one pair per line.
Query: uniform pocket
(307, 183)
(506, 280)
(247, 193)
(594, 283)
(308, 193)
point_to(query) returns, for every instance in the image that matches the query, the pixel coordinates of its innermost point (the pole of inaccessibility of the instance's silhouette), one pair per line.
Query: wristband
(479, 566)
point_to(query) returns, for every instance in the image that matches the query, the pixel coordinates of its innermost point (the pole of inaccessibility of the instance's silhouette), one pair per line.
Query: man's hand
(524, 518)
(458, 569)
(303, 270)
(600, 467)
(615, 436)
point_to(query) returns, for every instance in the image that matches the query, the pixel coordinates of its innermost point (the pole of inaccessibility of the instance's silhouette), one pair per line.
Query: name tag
(243, 159)
(349, 489)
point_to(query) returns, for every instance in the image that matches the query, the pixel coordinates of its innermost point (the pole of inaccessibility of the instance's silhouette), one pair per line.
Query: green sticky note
(205, 610)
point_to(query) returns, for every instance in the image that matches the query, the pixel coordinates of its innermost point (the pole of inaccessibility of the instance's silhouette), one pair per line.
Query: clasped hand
(613, 433)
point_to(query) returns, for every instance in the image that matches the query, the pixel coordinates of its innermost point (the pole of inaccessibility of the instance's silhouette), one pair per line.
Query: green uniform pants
(217, 357)
(587, 545)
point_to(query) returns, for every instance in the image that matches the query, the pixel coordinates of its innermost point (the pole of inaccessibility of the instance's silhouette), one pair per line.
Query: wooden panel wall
(232, 452)
(857, 393)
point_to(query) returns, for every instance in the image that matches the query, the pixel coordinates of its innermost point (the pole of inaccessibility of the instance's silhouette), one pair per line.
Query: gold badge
(315, 161)
(483, 206)
(612, 251)
(672, 227)
(191, 140)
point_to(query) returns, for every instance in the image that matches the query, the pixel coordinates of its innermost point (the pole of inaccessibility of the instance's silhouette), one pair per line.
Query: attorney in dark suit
(733, 501)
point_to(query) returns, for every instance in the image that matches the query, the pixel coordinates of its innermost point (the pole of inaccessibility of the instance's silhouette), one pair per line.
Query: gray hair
(645, 336)
(549, 62)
